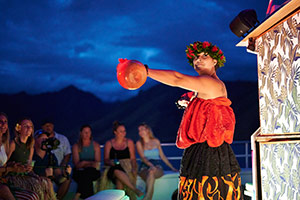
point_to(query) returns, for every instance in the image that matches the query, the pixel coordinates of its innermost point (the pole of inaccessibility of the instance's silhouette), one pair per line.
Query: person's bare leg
(119, 184)
(122, 176)
(5, 193)
(150, 180)
(77, 196)
(63, 189)
(149, 185)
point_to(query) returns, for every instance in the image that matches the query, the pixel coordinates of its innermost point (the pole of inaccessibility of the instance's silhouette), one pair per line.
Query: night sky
(47, 45)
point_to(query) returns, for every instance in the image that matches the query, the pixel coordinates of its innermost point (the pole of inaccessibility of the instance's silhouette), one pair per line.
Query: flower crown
(213, 51)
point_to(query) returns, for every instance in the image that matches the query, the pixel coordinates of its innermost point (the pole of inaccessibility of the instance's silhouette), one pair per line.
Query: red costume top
(209, 120)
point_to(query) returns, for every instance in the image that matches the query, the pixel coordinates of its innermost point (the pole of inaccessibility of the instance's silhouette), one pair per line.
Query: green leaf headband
(193, 50)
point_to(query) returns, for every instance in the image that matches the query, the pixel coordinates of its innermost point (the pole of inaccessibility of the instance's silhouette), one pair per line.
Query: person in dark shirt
(46, 165)
(120, 161)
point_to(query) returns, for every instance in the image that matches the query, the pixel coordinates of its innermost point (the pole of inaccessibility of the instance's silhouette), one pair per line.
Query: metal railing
(241, 149)
(247, 154)
(245, 149)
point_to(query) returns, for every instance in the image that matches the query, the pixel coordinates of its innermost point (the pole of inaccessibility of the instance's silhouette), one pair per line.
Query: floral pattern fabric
(279, 77)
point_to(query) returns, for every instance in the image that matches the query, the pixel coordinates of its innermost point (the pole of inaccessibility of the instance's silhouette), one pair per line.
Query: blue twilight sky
(47, 45)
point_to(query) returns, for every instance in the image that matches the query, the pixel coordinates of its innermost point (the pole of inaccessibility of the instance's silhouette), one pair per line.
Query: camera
(50, 144)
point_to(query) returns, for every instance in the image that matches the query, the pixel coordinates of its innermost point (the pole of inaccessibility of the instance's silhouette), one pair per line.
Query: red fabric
(209, 120)
(188, 95)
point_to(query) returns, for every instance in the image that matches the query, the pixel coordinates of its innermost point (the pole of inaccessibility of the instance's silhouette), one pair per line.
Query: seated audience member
(150, 152)
(63, 152)
(22, 146)
(21, 151)
(7, 192)
(86, 158)
(46, 163)
(119, 156)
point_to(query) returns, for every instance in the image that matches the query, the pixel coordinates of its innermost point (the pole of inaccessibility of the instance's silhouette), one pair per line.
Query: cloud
(47, 45)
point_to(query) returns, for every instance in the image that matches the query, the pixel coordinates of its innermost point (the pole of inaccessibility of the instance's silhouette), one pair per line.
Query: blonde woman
(22, 146)
(7, 192)
(4, 138)
(150, 152)
(20, 152)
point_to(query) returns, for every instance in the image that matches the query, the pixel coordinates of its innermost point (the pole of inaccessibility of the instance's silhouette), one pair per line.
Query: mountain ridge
(70, 108)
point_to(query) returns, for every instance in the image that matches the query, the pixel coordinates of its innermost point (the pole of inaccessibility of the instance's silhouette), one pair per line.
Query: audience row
(33, 162)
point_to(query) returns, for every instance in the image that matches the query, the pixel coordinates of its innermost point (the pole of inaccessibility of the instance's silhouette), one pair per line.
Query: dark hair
(4, 114)
(85, 126)
(116, 125)
(46, 121)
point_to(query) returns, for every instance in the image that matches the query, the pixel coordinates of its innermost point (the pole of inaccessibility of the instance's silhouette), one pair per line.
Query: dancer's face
(204, 64)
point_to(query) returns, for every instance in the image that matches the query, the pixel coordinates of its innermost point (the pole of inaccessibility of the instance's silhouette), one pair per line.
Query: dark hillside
(70, 108)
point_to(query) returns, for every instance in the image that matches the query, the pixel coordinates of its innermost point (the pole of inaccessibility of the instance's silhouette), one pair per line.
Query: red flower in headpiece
(205, 44)
(214, 49)
(191, 52)
(195, 46)
(188, 55)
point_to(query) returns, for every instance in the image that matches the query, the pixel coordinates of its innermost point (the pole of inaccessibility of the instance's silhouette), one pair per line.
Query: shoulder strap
(111, 143)
(16, 141)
